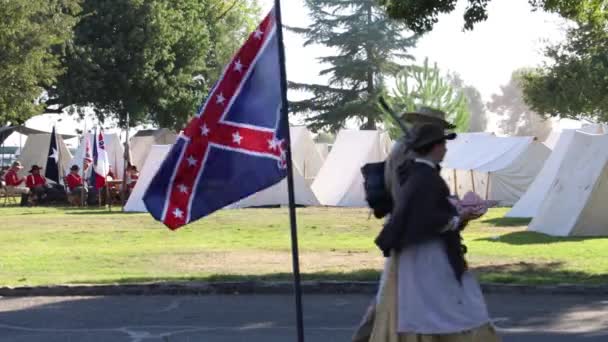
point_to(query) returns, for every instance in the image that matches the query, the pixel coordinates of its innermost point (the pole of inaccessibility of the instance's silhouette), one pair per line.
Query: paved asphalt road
(520, 318)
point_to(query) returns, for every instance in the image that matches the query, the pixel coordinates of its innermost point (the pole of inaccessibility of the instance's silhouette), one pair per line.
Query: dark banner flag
(52, 161)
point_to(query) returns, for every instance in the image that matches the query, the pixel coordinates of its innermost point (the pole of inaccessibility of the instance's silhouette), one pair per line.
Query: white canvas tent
(496, 168)
(340, 183)
(114, 148)
(576, 200)
(141, 143)
(555, 135)
(529, 204)
(157, 154)
(307, 162)
(36, 149)
(594, 129)
(323, 149)
(306, 156)
(552, 139)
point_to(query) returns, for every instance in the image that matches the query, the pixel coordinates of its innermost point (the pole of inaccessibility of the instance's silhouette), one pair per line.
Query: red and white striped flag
(88, 158)
(101, 164)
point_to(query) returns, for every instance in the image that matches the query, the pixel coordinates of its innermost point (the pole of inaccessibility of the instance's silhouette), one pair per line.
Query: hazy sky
(511, 38)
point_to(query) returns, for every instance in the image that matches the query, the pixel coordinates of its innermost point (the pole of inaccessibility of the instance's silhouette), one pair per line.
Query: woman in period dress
(427, 293)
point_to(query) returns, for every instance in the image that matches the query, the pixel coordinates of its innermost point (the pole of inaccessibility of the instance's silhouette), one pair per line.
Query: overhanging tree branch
(221, 16)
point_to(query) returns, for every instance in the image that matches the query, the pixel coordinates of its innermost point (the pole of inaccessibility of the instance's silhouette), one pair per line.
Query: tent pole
(59, 158)
(472, 181)
(108, 198)
(85, 184)
(455, 183)
(126, 155)
(488, 187)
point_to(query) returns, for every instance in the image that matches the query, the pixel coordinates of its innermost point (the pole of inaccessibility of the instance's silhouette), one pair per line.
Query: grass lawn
(75, 246)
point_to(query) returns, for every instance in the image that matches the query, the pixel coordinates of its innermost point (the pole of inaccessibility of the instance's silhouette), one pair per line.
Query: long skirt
(385, 318)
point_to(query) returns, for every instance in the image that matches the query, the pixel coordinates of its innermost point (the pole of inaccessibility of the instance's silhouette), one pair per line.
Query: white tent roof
(307, 162)
(497, 168)
(155, 158)
(484, 152)
(36, 149)
(340, 183)
(141, 143)
(529, 204)
(594, 129)
(306, 156)
(114, 148)
(553, 138)
(555, 135)
(575, 202)
(323, 149)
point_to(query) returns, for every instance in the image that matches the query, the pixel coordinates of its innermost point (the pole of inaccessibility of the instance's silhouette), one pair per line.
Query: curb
(261, 287)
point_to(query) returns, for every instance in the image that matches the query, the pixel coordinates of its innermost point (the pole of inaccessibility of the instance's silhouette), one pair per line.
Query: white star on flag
(204, 130)
(183, 188)
(238, 66)
(55, 155)
(236, 138)
(178, 213)
(191, 161)
(273, 144)
(258, 34)
(220, 99)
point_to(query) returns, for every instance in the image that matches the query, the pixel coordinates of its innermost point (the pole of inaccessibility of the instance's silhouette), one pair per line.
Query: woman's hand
(468, 214)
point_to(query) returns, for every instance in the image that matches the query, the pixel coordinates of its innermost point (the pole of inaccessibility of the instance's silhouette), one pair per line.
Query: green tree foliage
(154, 60)
(478, 121)
(369, 46)
(31, 34)
(421, 15)
(229, 25)
(573, 83)
(325, 138)
(423, 85)
(516, 117)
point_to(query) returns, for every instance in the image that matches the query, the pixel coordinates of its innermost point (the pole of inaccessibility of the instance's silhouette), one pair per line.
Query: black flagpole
(292, 201)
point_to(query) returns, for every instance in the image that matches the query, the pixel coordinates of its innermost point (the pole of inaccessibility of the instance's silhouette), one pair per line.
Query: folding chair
(9, 196)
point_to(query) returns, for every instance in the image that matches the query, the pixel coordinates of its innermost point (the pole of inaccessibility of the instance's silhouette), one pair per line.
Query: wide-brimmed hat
(424, 114)
(428, 134)
(74, 168)
(35, 168)
(18, 165)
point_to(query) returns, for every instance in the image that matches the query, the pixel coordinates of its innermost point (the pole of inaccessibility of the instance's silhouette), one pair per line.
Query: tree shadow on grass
(549, 273)
(502, 222)
(359, 275)
(101, 211)
(532, 238)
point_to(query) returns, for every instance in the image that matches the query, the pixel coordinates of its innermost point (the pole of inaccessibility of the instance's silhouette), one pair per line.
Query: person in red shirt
(74, 179)
(12, 180)
(75, 185)
(36, 183)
